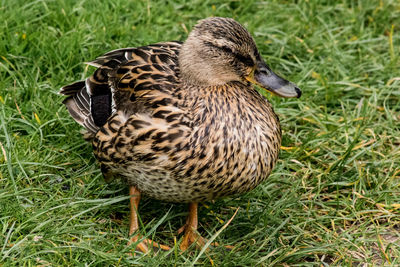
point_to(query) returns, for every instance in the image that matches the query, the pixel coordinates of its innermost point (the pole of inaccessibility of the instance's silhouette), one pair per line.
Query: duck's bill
(268, 80)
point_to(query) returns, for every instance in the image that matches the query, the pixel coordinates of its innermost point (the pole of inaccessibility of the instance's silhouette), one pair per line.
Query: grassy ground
(333, 199)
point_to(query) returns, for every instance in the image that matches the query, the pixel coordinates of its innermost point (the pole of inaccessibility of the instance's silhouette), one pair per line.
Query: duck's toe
(146, 245)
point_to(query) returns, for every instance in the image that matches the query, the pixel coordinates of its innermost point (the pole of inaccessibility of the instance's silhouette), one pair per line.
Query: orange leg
(191, 236)
(143, 246)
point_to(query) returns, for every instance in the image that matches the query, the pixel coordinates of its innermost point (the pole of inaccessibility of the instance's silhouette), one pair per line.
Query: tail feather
(78, 105)
(71, 89)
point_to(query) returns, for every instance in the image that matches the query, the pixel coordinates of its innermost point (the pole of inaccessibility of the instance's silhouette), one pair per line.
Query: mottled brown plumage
(182, 122)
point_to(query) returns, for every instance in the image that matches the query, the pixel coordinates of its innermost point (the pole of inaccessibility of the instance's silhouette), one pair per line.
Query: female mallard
(183, 122)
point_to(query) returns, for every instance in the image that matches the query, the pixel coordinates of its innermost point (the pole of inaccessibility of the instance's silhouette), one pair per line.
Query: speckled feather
(173, 139)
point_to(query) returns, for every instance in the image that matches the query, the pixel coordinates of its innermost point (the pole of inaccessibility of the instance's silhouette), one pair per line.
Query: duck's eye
(227, 49)
(247, 60)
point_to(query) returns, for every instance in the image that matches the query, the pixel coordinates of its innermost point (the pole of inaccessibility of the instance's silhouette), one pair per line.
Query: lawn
(333, 198)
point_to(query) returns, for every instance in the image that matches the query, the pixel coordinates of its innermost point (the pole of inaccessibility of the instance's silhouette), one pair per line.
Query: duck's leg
(191, 236)
(143, 246)
(190, 228)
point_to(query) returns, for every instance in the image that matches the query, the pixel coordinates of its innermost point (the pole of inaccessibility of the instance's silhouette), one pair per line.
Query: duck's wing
(124, 80)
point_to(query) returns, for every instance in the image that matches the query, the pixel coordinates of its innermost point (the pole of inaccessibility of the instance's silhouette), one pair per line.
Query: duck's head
(220, 50)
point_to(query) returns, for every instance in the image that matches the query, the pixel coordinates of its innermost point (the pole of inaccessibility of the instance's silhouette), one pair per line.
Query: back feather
(92, 101)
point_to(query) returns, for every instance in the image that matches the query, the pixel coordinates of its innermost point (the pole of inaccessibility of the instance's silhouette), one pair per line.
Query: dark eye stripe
(244, 59)
(247, 60)
(226, 49)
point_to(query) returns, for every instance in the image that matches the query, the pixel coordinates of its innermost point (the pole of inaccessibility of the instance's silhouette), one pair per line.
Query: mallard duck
(182, 122)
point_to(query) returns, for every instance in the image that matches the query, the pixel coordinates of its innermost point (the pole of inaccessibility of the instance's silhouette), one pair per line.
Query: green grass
(333, 199)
